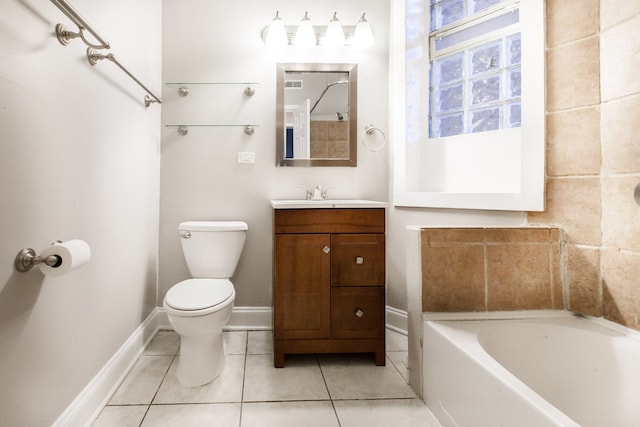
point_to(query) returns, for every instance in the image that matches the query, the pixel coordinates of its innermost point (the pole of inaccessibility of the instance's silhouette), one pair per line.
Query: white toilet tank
(212, 248)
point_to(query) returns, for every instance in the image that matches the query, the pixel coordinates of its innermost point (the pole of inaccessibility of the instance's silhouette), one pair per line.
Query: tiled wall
(487, 269)
(593, 165)
(593, 152)
(329, 139)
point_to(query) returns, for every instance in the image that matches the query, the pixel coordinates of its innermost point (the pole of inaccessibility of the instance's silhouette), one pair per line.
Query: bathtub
(530, 369)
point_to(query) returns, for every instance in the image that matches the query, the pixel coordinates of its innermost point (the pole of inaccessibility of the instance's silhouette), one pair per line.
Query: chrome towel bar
(65, 36)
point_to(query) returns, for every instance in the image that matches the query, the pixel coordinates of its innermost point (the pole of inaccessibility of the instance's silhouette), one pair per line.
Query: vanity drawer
(357, 260)
(357, 312)
(328, 220)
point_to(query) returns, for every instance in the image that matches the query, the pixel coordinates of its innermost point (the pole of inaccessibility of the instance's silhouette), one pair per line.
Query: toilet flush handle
(185, 234)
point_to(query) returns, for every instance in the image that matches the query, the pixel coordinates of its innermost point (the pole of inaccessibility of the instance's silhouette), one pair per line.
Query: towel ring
(373, 138)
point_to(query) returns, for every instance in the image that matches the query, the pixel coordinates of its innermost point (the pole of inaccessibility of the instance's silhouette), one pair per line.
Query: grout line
(244, 377)
(145, 415)
(335, 412)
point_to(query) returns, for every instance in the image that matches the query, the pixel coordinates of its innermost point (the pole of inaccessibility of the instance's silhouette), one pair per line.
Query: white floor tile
(142, 382)
(121, 416)
(384, 413)
(201, 415)
(298, 395)
(301, 379)
(357, 377)
(399, 360)
(165, 343)
(235, 342)
(226, 388)
(281, 414)
(260, 342)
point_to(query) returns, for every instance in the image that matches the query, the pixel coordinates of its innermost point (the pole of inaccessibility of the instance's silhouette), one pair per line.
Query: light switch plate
(246, 157)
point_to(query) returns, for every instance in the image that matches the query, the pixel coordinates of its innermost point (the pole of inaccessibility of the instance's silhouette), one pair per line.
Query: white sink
(329, 203)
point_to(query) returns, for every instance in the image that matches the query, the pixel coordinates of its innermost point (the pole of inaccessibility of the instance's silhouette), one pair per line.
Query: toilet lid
(198, 294)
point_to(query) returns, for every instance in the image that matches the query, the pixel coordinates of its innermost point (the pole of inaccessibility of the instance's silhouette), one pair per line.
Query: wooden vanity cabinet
(329, 282)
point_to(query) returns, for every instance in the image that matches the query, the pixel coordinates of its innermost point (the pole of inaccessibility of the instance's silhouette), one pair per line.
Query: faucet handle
(308, 193)
(324, 192)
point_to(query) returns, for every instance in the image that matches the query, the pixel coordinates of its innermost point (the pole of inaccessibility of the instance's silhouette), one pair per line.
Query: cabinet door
(357, 260)
(301, 291)
(357, 312)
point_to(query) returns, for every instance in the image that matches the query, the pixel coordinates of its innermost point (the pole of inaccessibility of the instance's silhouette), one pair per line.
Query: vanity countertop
(329, 203)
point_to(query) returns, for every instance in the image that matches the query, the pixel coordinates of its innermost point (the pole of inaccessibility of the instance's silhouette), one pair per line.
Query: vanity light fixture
(305, 36)
(333, 35)
(363, 36)
(276, 34)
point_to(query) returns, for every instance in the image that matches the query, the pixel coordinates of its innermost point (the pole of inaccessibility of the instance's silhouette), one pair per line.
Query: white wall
(79, 158)
(220, 41)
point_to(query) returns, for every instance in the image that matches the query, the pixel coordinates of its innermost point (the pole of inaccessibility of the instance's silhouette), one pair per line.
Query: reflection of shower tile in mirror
(338, 131)
(319, 130)
(318, 140)
(338, 149)
(320, 150)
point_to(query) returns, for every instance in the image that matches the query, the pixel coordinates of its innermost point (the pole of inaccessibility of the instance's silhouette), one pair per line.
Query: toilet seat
(197, 295)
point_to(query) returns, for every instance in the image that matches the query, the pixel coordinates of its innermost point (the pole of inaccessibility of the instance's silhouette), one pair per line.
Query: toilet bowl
(199, 308)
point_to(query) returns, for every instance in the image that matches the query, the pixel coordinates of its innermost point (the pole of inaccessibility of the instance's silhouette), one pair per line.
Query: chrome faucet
(318, 192)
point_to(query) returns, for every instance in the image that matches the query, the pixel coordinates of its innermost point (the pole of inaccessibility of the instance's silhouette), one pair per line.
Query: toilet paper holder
(27, 258)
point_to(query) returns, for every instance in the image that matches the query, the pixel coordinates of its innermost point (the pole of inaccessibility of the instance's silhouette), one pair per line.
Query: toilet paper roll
(72, 253)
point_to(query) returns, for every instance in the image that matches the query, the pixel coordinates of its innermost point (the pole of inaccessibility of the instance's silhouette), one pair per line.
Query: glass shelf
(212, 83)
(183, 90)
(184, 129)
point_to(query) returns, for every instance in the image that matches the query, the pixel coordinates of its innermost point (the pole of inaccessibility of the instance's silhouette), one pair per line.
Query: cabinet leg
(278, 359)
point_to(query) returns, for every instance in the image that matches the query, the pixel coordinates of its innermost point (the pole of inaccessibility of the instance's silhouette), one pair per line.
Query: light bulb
(305, 36)
(335, 35)
(276, 33)
(363, 37)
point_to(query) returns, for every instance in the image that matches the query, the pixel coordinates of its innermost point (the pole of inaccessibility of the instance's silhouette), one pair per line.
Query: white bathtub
(530, 369)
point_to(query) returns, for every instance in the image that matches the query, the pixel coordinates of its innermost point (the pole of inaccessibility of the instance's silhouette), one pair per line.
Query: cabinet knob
(326, 249)
(359, 260)
(359, 313)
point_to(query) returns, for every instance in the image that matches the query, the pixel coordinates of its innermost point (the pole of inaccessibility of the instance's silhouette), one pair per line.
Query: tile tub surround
(323, 391)
(593, 95)
(489, 269)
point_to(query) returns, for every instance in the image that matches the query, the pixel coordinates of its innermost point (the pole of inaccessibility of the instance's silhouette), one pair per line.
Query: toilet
(200, 307)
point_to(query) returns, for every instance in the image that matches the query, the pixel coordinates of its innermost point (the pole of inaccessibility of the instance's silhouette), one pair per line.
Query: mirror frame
(352, 69)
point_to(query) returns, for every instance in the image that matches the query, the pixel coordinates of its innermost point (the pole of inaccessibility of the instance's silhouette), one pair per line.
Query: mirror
(316, 115)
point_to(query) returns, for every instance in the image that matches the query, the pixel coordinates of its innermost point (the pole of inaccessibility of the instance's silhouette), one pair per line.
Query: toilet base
(201, 359)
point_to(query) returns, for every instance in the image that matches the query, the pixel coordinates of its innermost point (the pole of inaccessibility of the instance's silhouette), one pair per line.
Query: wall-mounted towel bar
(65, 36)
(93, 56)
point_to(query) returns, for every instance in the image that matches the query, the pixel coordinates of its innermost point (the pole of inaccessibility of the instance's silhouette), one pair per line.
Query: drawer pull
(359, 260)
(326, 249)
(359, 313)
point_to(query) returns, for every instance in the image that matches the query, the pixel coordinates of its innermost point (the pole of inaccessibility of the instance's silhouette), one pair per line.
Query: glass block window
(475, 70)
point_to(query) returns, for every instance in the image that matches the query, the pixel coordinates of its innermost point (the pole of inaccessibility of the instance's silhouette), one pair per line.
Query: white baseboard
(397, 320)
(86, 407)
(242, 319)
(250, 318)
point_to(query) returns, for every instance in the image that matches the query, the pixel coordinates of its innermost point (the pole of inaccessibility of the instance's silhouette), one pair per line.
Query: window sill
(480, 201)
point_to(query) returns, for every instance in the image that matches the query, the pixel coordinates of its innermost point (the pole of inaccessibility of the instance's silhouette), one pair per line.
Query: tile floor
(322, 391)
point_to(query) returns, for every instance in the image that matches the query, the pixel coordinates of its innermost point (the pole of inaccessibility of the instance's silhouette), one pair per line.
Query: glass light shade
(276, 33)
(334, 36)
(363, 36)
(305, 36)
